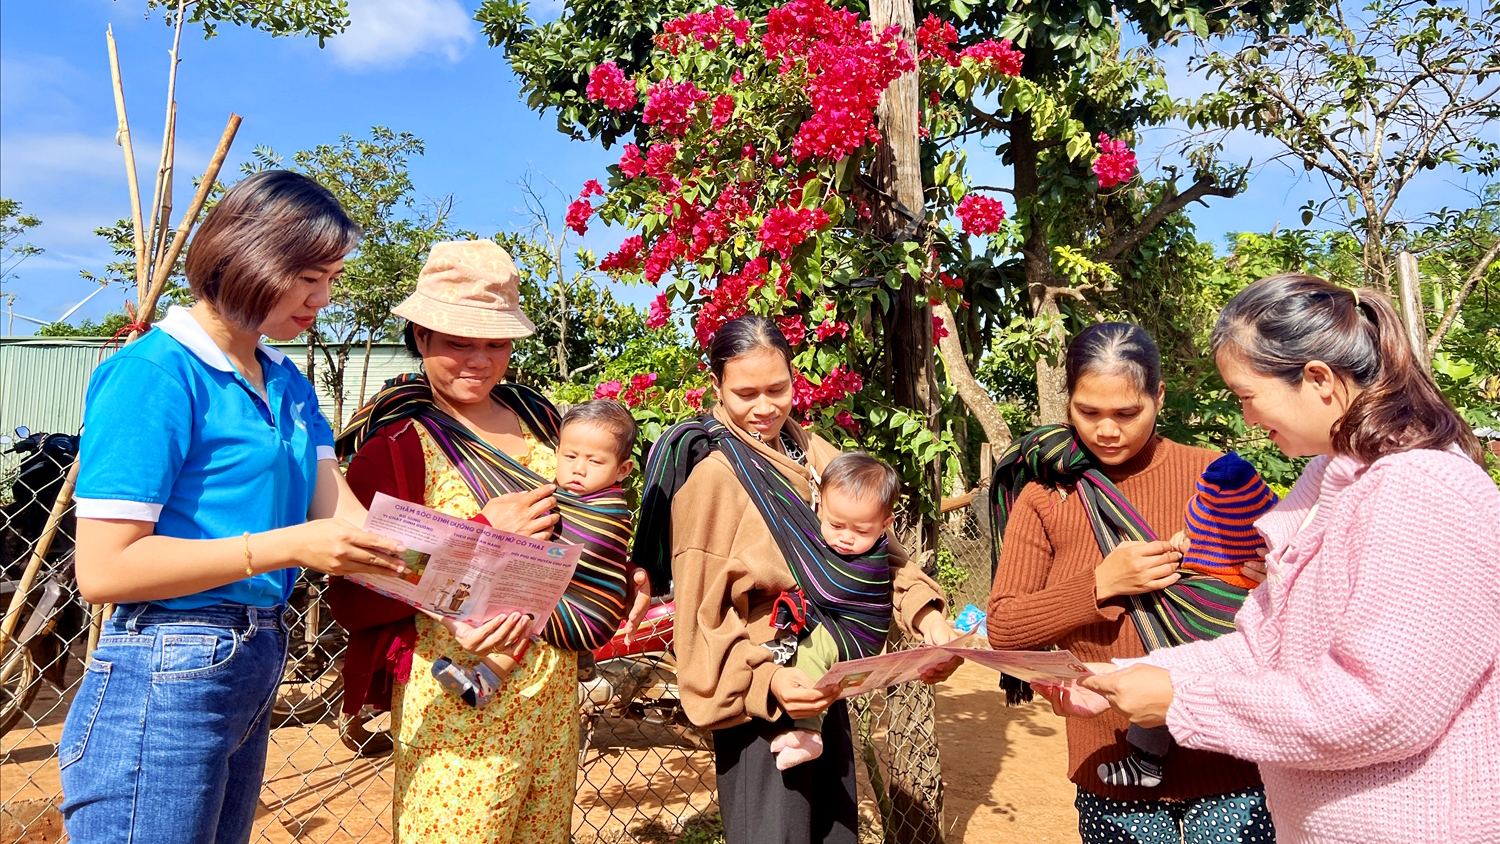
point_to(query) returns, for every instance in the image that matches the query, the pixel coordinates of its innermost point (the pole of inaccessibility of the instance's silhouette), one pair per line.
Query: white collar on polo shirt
(180, 326)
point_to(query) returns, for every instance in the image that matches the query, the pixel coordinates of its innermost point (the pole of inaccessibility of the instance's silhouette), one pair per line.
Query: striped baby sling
(594, 605)
(849, 596)
(1199, 606)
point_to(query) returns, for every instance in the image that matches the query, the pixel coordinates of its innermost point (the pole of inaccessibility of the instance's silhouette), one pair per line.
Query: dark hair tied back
(1280, 324)
(1115, 348)
(743, 336)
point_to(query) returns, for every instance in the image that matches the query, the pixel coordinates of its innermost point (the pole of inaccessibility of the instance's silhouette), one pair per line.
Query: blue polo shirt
(174, 435)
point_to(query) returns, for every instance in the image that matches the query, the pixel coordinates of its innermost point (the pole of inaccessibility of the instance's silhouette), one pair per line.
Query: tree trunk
(364, 372)
(916, 783)
(1051, 384)
(974, 397)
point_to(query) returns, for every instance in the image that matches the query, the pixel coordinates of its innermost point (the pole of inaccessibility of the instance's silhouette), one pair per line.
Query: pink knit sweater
(1364, 677)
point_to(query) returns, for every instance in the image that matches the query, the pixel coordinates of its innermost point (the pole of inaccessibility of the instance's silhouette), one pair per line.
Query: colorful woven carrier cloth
(848, 596)
(594, 605)
(1201, 605)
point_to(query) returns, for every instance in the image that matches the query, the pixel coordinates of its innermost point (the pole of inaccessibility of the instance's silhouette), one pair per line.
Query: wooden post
(915, 784)
(1409, 290)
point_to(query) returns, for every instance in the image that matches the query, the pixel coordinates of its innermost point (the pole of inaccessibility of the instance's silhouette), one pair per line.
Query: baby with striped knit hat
(1221, 531)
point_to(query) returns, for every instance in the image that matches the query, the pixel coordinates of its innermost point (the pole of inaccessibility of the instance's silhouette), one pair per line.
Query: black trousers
(812, 803)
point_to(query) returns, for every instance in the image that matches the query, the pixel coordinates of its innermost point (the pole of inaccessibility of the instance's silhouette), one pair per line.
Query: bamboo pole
(162, 218)
(189, 218)
(161, 194)
(122, 137)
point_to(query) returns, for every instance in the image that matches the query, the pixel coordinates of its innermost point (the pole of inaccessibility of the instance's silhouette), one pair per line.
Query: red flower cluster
(939, 331)
(639, 390)
(1115, 164)
(664, 250)
(980, 214)
(846, 421)
(659, 161)
(607, 84)
(951, 282)
(784, 228)
(847, 69)
(704, 27)
(626, 259)
(727, 300)
(723, 111)
(934, 40)
(830, 328)
(668, 104)
(792, 329)
(631, 162)
(591, 188)
(659, 313)
(996, 57)
(837, 384)
(608, 390)
(579, 212)
(694, 397)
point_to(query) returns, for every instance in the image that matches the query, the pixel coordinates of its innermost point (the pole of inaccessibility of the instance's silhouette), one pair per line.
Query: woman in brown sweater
(1055, 586)
(728, 571)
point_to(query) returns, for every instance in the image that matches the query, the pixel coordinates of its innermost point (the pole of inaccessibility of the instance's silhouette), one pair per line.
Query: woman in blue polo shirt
(207, 478)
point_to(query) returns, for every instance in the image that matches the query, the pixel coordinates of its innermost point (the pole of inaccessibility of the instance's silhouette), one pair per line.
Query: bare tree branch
(1128, 239)
(1459, 298)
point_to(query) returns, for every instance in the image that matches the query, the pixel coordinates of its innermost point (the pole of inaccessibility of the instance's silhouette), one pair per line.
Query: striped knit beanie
(1221, 519)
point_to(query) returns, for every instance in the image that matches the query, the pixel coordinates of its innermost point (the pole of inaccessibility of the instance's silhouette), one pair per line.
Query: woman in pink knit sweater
(1364, 677)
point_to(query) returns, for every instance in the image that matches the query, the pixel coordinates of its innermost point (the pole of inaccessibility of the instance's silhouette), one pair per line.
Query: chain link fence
(645, 773)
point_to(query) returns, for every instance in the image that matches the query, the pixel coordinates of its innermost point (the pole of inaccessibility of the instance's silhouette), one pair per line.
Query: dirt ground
(1003, 770)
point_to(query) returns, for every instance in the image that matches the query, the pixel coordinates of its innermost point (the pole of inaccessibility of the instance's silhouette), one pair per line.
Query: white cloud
(388, 32)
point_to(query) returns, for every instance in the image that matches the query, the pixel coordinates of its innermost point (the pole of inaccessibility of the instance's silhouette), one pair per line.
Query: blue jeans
(1238, 817)
(166, 739)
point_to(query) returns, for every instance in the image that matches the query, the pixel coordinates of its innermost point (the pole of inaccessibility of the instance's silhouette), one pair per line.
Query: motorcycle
(312, 682)
(636, 682)
(44, 614)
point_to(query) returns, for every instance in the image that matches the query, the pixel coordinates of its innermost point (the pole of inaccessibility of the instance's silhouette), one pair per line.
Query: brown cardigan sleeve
(723, 674)
(1029, 608)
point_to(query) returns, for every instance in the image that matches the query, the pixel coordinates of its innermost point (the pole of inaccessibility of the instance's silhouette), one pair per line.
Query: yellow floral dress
(502, 773)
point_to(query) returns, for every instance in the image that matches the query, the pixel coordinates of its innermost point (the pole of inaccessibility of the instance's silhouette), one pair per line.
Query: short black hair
(863, 477)
(264, 231)
(609, 415)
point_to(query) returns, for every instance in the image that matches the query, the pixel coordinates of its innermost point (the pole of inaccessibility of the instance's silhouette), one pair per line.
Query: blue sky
(420, 66)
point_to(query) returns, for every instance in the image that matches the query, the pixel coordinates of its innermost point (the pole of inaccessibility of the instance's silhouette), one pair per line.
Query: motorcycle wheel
(19, 683)
(310, 689)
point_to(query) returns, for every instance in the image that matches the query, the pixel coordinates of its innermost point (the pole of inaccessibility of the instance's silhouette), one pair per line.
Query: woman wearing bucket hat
(457, 438)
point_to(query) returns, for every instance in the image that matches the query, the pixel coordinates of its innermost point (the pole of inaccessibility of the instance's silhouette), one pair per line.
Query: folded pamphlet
(467, 570)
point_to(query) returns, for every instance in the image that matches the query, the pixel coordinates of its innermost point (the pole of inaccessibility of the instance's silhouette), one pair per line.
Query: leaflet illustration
(858, 676)
(467, 570)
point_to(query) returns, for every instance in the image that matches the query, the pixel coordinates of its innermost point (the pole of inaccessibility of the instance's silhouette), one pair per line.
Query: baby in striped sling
(856, 503)
(594, 445)
(1221, 531)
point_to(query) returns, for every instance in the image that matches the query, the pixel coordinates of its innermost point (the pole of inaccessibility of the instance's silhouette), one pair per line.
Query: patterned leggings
(1236, 817)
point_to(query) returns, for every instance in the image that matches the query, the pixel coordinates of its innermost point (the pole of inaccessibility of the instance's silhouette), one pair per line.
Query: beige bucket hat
(468, 288)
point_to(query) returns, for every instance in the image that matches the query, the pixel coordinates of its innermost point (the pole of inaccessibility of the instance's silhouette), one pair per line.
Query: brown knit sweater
(1044, 595)
(727, 571)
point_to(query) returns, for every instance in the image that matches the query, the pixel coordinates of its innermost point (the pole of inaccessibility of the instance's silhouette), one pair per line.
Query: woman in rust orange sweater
(1056, 584)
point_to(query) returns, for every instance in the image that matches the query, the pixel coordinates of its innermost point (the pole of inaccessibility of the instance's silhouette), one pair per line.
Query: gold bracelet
(249, 571)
